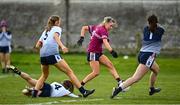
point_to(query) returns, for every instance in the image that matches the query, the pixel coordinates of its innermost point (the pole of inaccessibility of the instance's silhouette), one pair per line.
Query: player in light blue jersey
(5, 46)
(49, 44)
(151, 46)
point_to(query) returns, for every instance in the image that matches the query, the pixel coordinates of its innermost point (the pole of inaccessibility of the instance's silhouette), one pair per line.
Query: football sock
(19, 72)
(82, 83)
(151, 88)
(118, 79)
(34, 93)
(82, 90)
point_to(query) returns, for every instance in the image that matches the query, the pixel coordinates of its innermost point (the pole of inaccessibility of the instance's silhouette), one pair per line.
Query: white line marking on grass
(82, 100)
(4, 76)
(67, 101)
(45, 103)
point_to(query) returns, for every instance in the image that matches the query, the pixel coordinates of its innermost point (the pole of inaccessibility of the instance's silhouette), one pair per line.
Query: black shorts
(50, 60)
(147, 58)
(93, 56)
(46, 90)
(5, 49)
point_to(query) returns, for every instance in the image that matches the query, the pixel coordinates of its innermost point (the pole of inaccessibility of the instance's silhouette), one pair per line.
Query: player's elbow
(84, 28)
(38, 45)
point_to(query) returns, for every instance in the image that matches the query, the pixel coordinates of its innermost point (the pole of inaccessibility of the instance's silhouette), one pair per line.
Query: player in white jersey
(151, 46)
(49, 44)
(5, 46)
(54, 89)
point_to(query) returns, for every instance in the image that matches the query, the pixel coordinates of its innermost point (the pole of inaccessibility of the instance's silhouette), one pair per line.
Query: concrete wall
(27, 20)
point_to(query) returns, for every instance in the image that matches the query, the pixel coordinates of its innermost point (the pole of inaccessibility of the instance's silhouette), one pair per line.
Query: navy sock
(82, 90)
(118, 79)
(151, 88)
(34, 93)
(82, 83)
(119, 89)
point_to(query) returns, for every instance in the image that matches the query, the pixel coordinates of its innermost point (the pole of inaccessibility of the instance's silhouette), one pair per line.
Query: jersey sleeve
(58, 30)
(91, 28)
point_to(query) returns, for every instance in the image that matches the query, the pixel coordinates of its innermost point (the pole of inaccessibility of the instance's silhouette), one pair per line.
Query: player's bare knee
(155, 71)
(96, 73)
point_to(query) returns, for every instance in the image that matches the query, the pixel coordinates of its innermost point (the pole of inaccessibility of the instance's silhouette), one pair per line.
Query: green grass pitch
(168, 79)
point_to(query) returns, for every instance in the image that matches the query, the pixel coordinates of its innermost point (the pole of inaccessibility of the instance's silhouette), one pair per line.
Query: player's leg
(153, 77)
(63, 66)
(23, 75)
(105, 61)
(140, 72)
(2, 59)
(95, 72)
(41, 80)
(7, 61)
(32, 82)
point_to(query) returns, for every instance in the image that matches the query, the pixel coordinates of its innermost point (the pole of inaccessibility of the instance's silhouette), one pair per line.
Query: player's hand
(80, 41)
(65, 49)
(114, 54)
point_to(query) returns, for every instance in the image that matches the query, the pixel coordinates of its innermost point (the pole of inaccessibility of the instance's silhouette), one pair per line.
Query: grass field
(169, 77)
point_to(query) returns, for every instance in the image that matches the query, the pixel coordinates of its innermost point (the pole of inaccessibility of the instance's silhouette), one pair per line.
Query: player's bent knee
(96, 73)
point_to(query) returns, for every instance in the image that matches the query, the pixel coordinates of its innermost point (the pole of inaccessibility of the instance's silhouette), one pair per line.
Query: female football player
(99, 36)
(5, 45)
(151, 46)
(54, 89)
(48, 44)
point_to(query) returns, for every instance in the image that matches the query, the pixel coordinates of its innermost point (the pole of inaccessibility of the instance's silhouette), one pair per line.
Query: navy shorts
(5, 49)
(50, 60)
(93, 56)
(46, 90)
(147, 58)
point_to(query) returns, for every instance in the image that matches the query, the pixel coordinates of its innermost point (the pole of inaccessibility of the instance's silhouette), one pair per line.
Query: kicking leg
(105, 61)
(140, 72)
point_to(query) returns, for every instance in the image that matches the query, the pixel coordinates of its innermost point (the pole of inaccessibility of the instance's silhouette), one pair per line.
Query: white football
(24, 91)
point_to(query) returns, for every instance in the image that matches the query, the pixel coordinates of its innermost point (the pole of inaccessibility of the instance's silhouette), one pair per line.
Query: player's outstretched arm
(58, 40)
(109, 48)
(84, 29)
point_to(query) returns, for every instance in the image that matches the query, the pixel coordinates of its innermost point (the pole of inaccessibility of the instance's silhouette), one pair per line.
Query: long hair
(51, 22)
(108, 19)
(152, 18)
